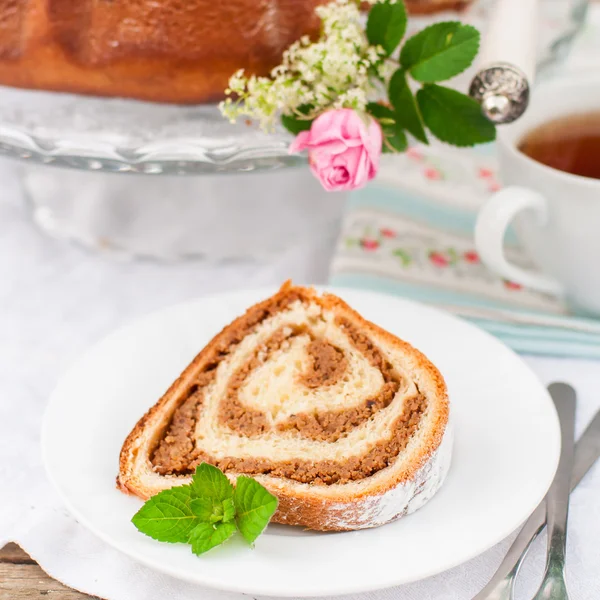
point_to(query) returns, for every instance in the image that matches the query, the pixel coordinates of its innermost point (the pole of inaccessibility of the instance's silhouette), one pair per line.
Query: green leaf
(396, 138)
(380, 111)
(254, 507)
(386, 25)
(206, 536)
(295, 124)
(211, 483)
(168, 517)
(452, 255)
(406, 110)
(207, 510)
(228, 510)
(453, 117)
(440, 51)
(403, 255)
(202, 508)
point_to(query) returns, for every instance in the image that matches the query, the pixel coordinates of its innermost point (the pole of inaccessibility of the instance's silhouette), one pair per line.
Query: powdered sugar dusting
(402, 500)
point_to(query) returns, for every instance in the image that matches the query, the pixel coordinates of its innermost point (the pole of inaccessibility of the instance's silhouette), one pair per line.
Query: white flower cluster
(339, 70)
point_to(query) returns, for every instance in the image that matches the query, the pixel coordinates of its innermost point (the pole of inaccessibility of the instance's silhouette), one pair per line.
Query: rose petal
(362, 172)
(336, 179)
(352, 125)
(372, 139)
(333, 147)
(300, 143)
(348, 159)
(325, 128)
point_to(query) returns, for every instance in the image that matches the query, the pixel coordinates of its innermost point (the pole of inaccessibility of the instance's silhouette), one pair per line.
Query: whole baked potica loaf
(161, 50)
(345, 423)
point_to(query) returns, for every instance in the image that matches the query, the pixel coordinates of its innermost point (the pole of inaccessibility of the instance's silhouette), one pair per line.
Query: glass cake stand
(242, 194)
(196, 186)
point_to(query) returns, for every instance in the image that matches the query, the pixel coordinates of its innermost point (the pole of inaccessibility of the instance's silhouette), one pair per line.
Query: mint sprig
(208, 511)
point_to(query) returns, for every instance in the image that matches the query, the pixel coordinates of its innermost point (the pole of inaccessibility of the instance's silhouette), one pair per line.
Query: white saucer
(506, 450)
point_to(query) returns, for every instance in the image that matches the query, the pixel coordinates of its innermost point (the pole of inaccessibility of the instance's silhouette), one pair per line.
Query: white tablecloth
(56, 300)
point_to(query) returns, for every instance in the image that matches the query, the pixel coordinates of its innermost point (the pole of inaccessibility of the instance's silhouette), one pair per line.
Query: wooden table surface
(22, 579)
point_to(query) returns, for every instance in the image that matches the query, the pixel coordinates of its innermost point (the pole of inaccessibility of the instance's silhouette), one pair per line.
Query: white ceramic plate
(505, 454)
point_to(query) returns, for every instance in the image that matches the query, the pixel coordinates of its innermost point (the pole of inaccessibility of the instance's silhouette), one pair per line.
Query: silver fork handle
(557, 501)
(587, 451)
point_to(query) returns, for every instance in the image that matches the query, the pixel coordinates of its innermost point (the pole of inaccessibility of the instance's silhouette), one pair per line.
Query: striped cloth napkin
(411, 233)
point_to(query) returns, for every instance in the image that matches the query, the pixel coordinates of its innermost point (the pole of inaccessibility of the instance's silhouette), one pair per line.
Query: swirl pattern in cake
(345, 423)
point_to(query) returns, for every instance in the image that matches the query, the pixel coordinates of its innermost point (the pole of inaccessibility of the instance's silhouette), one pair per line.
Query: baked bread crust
(158, 50)
(392, 492)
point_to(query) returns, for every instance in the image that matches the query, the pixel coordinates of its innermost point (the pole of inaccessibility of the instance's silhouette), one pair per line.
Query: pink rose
(343, 150)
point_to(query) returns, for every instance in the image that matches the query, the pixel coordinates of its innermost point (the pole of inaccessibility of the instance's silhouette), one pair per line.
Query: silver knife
(587, 451)
(557, 500)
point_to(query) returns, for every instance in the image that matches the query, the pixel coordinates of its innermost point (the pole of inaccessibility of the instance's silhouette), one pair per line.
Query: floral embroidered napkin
(411, 233)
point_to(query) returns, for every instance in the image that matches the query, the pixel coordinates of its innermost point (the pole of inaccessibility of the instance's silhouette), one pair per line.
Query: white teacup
(556, 215)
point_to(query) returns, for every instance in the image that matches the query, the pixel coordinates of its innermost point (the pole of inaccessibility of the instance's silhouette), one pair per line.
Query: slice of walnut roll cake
(345, 423)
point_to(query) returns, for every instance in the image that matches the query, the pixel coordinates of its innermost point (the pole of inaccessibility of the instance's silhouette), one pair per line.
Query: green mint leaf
(228, 510)
(254, 507)
(386, 25)
(207, 510)
(206, 536)
(168, 517)
(440, 51)
(211, 483)
(213, 511)
(406, 110)
(295, 124)
(453, 117)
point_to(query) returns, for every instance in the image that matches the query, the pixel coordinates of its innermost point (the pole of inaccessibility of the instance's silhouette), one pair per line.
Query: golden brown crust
(158, 50)
(300, 506)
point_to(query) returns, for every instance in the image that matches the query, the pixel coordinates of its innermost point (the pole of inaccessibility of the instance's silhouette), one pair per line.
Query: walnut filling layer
(327, 472)
(182, 458)
(328, 364)
(176, 453)
(332, 425)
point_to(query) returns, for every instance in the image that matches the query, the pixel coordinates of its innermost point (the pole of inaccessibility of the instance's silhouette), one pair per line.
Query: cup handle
(492, 222)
